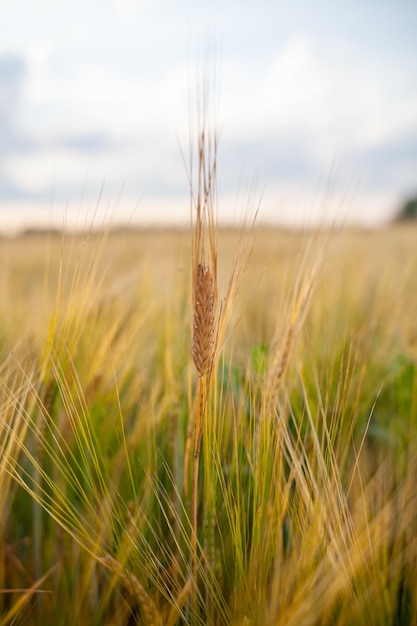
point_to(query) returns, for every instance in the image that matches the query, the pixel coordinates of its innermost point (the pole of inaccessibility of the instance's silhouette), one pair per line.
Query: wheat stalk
(205, 315)
(209, 315)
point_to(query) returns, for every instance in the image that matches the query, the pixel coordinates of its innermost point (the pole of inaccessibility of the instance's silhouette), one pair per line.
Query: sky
(315, 105)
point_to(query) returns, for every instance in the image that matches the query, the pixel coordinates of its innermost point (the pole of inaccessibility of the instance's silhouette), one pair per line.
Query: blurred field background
(308, 511)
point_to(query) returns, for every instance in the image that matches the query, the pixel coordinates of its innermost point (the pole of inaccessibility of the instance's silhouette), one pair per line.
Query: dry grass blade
(16, 609)
(175, 612)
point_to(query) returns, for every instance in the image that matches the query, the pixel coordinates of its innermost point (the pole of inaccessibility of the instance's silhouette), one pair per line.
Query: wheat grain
(203, 347)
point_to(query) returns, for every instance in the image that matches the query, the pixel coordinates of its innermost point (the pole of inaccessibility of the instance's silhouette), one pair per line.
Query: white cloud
(97, 97)
(391, 122)
(131, 8)
(118, 79)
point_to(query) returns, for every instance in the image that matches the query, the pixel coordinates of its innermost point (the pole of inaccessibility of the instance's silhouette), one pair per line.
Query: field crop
(302, 506)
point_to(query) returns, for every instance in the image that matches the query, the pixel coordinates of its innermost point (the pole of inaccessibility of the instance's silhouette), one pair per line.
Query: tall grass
(159, 466)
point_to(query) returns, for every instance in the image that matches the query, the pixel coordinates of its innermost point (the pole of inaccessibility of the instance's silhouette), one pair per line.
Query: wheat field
(273, 486)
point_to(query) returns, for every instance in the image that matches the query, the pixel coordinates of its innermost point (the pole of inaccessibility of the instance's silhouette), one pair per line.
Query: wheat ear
(204, 320)
(135, 589)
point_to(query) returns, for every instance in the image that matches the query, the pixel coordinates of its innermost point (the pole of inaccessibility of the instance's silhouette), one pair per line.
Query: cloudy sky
(317, 103)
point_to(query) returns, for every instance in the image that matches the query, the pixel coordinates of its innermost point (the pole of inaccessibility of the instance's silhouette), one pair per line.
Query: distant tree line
(408, 211)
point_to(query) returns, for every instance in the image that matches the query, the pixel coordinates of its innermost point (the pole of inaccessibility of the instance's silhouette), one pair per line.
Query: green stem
(199, 423)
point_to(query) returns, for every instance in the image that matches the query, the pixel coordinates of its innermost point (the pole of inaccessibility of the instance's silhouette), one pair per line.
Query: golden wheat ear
(203, 346)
